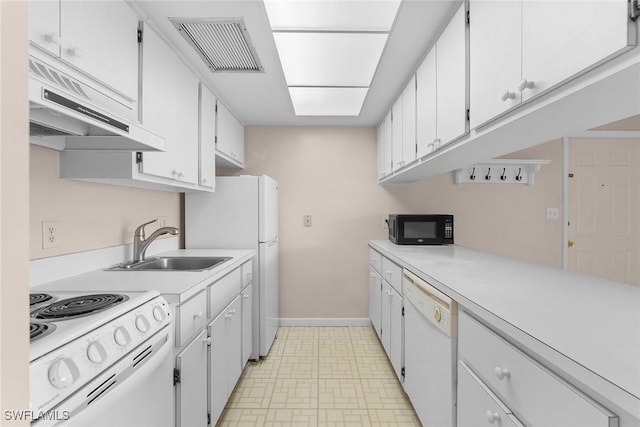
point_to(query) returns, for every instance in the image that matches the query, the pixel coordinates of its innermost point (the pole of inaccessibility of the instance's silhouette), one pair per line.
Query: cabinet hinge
(571, 175)
(216, 107)
(176, 376)
(634, 9)
(468, 17)
(215, 139)
(208, 418)
(139, 36)
(138, 157)
(403, 311)
(402, 372)
(468, 114)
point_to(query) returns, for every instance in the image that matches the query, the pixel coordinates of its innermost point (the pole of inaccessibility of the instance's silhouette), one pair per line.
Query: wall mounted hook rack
(510, 171)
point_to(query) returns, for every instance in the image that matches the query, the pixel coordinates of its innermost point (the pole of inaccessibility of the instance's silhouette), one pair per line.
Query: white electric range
(94, 357)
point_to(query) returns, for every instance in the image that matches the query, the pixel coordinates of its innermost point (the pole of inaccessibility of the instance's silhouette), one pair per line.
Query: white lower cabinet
(518, 381)
(392, 326)
(225, 353)
(247, 336)
(191, 402)
(375, 295)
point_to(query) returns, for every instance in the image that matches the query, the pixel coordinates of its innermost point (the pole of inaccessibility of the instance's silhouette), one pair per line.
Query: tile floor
(320, 376)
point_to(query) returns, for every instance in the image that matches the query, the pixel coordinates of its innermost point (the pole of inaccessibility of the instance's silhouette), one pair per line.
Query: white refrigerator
(243, 214)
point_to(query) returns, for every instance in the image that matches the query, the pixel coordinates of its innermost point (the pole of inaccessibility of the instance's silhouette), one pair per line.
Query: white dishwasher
(430, 331)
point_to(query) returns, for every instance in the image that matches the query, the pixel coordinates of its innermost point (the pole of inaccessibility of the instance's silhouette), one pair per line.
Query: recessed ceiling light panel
(327, 101)
(329, 59)
(349, 15)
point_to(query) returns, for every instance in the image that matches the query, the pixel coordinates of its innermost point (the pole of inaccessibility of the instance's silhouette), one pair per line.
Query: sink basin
(181, 263)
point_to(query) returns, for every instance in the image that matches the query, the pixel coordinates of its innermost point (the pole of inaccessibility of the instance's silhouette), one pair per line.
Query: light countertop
(176, 286)
(592, 322)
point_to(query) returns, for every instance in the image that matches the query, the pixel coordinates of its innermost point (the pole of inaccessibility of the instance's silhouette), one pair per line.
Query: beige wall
(89, 215)
(14, 211)
(330, 173)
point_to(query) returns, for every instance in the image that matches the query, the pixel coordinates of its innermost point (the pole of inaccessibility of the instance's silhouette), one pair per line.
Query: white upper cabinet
(207, 128)
(426, 105)
(99, 38)
(229, 138)
(409, 122)
(388, 144)
(396, 134)
(380, 151)
(442, 88)
(169, 108)
(518, 49)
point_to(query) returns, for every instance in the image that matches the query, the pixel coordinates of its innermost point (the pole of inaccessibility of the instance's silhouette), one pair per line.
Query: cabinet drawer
(191, 316)
(375, 259)
(477, 405)
(223, 291)
(539, 397)
(247, 273)
(392, 274)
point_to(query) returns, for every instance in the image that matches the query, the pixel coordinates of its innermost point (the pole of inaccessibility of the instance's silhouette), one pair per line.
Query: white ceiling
(263, 98)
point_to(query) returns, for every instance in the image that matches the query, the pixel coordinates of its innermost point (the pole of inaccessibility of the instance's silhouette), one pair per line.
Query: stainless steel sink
(181, 263)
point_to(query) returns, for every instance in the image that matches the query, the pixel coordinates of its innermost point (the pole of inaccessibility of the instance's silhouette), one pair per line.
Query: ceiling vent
(223, 44)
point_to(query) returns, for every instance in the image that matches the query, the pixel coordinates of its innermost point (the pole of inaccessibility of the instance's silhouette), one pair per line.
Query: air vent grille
(223, 44)
(56, 77)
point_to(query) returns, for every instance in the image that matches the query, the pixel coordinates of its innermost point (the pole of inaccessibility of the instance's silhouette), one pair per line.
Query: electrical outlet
(306, 220)
(161, 221)
(552, 213)
(385, 223)
(49, 234)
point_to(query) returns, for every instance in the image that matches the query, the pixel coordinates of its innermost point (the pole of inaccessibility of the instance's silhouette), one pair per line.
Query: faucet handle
(140, 230)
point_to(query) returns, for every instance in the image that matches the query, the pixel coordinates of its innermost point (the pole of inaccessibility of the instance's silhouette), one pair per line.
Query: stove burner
(39, 330)
(38, 299)
(78, 306)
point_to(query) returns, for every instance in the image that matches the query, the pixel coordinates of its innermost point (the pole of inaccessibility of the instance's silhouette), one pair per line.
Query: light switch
(552, 213)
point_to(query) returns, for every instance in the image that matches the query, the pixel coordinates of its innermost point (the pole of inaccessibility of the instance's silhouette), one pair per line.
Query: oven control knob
(142, 324)
(121, 336)
(96, 352)
(158, 313)
(63, 373)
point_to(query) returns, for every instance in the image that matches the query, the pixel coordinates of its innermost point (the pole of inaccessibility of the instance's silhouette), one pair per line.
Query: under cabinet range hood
(67, 112)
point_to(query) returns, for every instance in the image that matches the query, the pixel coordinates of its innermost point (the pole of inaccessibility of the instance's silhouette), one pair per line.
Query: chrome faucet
(140, 244)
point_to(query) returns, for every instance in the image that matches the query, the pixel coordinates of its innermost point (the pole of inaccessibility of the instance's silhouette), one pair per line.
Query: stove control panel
(57, 374)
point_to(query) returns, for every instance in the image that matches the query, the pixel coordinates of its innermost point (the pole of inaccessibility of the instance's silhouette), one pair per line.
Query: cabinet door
(375, 292)
(207, 173)
(191, 391)
(101, 38)
(562, 38)
(396, 130)
(170, 109)
(218, 355)
(495, 57)
(396, 333)
(388, 144)
(229, 135)
(380, 152)
(385, 316)
(409, 122)
(247, 337)
(44, 25)
(451, 71)
(234, 344)
(426, 104)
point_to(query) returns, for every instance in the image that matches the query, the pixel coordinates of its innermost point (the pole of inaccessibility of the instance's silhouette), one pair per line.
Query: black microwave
(421, 229)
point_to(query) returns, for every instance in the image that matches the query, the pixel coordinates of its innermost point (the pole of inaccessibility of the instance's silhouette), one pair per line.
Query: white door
(268, 208)
(397, 333)
(234, 344)
(113, 60)
(380, 151)
(604, 208)
(218, 355)
(560, 39)
(230, 134)
(451, 60)
(247, 327)
(494, 57)
(269, 295)
(385, 317)
(375, 291)
(426, 104)
(191, 391)
(396, 130)
(409, 122)
(207, 127)
(388, 144)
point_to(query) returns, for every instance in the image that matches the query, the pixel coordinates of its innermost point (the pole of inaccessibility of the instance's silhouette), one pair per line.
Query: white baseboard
(44, 270)
(321, 321)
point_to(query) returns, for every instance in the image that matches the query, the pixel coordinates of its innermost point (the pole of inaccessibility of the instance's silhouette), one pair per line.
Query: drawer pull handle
(502, 373)
(245, 296)
(197, 315)
(492, 417)
(207, 340)
(507, 95)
